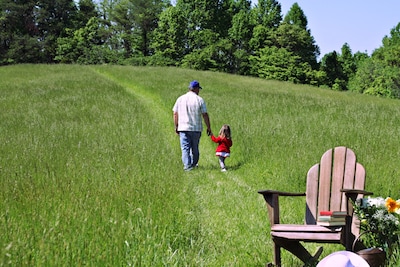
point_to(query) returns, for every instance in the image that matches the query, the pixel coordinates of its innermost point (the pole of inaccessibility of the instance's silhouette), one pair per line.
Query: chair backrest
(337, 170)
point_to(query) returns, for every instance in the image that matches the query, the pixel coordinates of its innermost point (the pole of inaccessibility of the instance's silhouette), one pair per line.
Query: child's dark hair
(225, 131)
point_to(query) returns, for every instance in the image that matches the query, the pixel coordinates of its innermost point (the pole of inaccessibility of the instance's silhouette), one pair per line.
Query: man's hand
(176, 122)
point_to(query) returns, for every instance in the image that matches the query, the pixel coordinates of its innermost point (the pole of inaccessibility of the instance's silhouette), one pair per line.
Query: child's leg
(222, 162)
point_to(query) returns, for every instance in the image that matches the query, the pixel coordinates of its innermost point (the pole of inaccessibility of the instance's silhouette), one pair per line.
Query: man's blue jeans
(190, 148)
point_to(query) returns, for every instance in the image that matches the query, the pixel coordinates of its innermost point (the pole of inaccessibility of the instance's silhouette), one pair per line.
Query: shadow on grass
(215, 167)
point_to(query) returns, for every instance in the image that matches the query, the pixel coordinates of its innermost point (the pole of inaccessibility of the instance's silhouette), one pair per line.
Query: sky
(360, 23)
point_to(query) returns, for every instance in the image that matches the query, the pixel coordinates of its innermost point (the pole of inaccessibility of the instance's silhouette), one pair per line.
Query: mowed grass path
(216, 196)
(91, 170)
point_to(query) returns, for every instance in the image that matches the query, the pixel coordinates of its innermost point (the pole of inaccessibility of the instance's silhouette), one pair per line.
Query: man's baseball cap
(194, 84)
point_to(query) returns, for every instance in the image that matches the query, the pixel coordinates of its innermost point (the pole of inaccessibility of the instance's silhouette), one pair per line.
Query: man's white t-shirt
(190, 108)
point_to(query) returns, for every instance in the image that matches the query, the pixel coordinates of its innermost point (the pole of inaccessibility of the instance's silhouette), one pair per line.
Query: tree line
(223, 35)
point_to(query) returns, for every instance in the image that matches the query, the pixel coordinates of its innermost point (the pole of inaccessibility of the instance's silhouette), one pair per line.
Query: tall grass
(91, 173)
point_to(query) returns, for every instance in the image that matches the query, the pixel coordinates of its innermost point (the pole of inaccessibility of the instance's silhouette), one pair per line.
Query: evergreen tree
(86, 11)
(19, 33)
(54, 17)
(294, 35)
(331, 65)
(121, 17)
(340, 68)
(290, 39)
(296, 16)
(146, 14)
(348, 62)
(135, 21)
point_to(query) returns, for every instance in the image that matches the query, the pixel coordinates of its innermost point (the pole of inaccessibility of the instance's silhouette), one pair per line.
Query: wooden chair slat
(349, 178)
(302, 228)
(312, 191)
(310, 237)
(339, 161)
(325, 181)
(359, 182)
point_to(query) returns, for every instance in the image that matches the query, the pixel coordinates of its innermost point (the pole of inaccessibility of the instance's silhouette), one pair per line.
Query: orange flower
(391, 204)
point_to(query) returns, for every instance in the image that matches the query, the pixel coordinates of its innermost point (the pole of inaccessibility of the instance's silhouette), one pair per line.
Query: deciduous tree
(268, 16)
(239, 36)
(170, 38)
(380, 74)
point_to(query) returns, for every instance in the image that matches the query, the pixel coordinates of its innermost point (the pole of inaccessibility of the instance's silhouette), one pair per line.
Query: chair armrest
(353, 193)
(358, 191)
(281, 193)
(272, 199)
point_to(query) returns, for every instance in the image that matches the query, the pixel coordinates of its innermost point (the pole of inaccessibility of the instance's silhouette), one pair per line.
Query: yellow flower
(392, 205)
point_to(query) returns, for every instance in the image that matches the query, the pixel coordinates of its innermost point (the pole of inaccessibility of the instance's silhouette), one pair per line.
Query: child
(224, 143)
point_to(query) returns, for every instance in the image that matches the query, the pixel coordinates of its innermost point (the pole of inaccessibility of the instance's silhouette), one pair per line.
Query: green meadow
(91, 172)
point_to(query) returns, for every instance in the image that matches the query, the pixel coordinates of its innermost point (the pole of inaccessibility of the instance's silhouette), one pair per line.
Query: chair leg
(296, 248)
(314, 260)
(318, 253)
(277, 255)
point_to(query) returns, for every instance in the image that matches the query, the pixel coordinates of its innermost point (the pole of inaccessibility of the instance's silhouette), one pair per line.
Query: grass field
(91, 170)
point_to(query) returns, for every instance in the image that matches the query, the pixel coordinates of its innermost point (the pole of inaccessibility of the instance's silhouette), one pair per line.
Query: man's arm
(207, 122)
(176, 122)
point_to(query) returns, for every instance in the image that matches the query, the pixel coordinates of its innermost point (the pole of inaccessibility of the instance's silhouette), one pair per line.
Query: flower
(379, 221)
(392, 205)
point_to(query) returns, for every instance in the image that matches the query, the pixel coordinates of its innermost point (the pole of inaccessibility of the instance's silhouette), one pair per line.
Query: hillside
(91, 169)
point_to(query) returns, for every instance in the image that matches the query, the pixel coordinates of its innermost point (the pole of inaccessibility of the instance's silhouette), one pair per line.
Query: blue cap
(194, 84)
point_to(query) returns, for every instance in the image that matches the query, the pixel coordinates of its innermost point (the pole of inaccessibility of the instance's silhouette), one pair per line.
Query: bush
(374, 77)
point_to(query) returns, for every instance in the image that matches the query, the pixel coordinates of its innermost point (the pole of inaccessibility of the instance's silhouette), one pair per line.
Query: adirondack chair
(331, 184)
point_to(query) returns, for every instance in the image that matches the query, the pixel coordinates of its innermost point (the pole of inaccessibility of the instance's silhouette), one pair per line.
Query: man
(188, 111)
